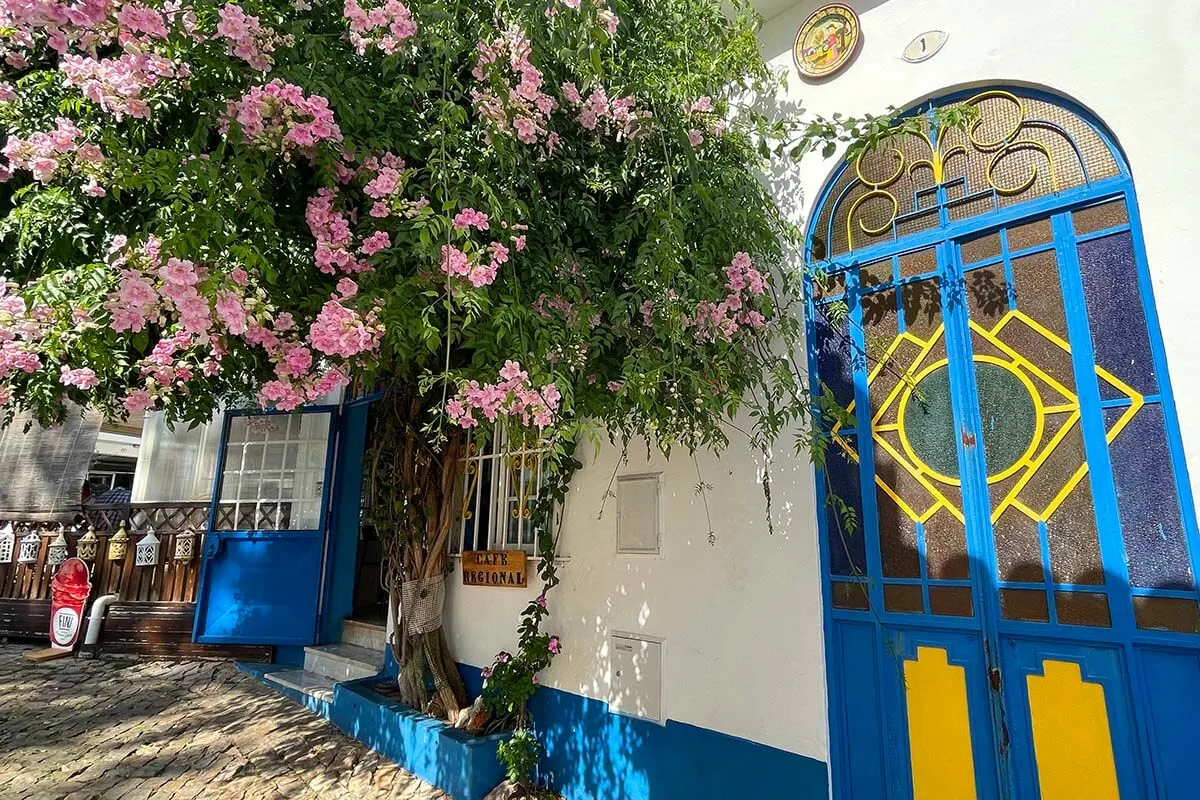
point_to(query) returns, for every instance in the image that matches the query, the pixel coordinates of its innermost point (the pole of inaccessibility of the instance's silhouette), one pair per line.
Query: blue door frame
(263, 586)
(869, 728)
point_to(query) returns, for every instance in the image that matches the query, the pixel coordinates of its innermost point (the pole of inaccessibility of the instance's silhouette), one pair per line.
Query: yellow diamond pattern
(921, 509)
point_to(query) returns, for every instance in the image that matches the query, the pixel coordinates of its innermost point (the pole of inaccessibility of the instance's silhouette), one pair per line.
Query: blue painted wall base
(593, 754)
(461, 765)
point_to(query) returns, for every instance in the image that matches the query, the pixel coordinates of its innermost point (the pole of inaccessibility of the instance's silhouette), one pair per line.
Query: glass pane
(1115, 314)
(834, 362)
(828, 284)
(946, 547)
(919, 263)
(875, 273)
(237, 429)
(1028, 235)
(1082, 608)
(847, 547)
(903, 598)
(1107, 215)
(1167, 614)
(253, 456)
(1147, 501)
(981, 249)
(951, 601)
(1024, 604)
(273, 456)
(847, 594)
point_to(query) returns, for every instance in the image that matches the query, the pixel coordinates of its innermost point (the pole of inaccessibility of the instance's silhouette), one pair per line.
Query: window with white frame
(274, 470)
(498, 490)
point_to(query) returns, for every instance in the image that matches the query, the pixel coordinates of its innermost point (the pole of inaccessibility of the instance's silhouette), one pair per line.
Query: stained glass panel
(847, 547)
(1116, 315)
(1167, 614)
(834, 363)
(1082, 608)
(1027, 605)
(905, 599)
(1147, 501)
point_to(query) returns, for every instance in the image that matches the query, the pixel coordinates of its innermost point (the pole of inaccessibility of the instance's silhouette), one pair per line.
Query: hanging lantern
(185, 545)
(30, 544)
(57, 553)
(118, 545)
(85, 548)
(146, 552)
(8, 542)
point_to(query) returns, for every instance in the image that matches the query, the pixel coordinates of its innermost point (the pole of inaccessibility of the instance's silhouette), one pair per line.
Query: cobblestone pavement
(119, 728)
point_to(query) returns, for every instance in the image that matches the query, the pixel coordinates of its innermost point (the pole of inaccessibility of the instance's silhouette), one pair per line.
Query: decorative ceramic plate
(826, 40)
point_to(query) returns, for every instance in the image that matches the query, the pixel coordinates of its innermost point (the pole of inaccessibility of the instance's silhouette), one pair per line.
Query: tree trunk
(411, 484)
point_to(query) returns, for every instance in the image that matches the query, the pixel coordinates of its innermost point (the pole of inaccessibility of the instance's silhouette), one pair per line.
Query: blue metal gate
(1015, 612)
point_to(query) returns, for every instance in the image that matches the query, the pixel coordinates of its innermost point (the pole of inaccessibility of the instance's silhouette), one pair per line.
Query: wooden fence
(156, 602)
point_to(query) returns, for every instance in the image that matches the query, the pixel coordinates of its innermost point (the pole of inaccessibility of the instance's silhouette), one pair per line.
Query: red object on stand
(70, 588)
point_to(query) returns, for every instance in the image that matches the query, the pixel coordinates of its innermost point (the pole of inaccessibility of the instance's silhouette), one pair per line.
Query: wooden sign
(495, 568)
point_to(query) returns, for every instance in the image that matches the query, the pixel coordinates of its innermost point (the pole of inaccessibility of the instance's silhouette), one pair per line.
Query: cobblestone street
(121, 728)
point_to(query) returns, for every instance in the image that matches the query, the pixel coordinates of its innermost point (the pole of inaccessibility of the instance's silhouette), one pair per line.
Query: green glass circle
(1006, 410)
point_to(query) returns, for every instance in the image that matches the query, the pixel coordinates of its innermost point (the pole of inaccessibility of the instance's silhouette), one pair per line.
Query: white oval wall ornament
(925, 46)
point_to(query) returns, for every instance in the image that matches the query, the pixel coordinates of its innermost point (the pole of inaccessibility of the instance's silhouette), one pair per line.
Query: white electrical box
(636, 665)
(638, 514)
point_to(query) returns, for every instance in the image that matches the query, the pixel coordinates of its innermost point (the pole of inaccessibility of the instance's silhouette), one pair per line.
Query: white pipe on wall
(99, 606)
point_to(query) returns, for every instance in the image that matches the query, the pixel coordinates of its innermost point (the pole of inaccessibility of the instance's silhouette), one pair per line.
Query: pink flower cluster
(135, 19)
(280, 115)
(20, 332)
(342, 331)
(335, 240)
(512, 396)
(61, 23)
(83, 378)
(722, 320)
(470, 218)
(118, 85)
(478, 263)
(386, 26)
(246, 38)
(201, 313)
(386, 181)
(619, 115)
(515, 105)
(46, 153)
(702, 114)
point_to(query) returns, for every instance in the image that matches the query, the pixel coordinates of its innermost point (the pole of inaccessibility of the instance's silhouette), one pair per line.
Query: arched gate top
(1009, 146)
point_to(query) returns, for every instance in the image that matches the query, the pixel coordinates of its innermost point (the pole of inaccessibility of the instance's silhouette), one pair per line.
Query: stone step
(370, 635)
(316, 686)
(343, 662)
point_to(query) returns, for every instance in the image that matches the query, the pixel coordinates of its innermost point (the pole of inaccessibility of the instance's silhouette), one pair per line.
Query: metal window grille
(498, 489)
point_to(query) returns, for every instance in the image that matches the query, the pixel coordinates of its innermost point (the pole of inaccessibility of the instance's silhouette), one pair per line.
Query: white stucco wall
(741, 619)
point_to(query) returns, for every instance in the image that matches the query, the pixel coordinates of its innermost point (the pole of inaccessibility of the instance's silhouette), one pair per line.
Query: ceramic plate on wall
(827, 40)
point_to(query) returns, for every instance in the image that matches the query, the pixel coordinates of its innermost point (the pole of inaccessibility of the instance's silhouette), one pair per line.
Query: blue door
(264, 551)
(1011, 606)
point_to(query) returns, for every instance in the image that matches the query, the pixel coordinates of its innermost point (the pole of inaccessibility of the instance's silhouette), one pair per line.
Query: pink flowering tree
(527, 216)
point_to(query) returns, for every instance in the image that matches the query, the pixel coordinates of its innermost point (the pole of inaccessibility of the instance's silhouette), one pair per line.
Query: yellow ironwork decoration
(524, 476)
(471, 468)
(1035, 456)
(941, 150)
